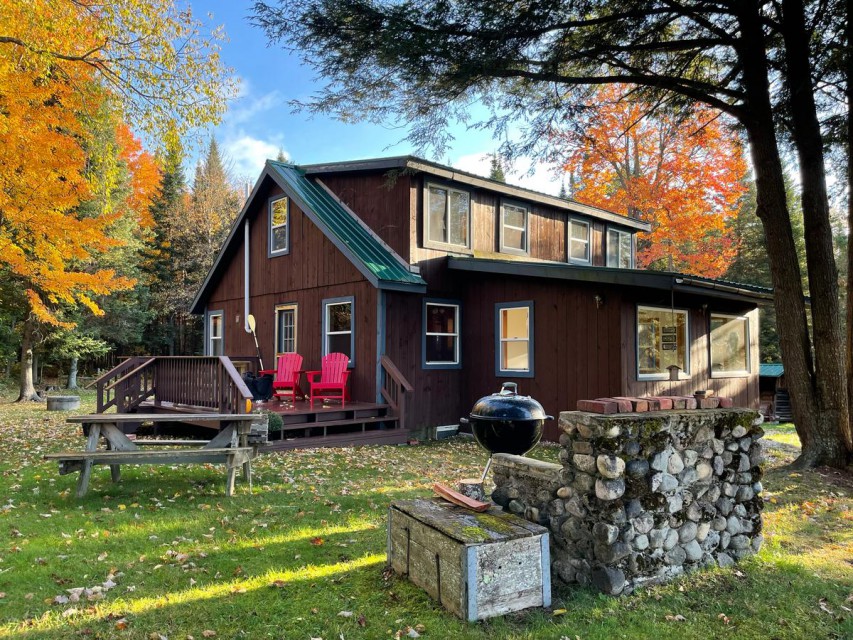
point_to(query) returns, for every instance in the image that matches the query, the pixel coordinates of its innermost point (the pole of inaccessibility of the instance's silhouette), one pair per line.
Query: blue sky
(260, 122)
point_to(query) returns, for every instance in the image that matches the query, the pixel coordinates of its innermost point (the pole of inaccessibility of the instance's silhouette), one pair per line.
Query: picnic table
(229, 446)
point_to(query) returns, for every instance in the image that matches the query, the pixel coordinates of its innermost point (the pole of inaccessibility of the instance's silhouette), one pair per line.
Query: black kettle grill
(506, 422)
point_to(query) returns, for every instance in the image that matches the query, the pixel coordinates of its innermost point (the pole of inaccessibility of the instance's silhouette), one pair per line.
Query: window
(285, 328)
(279, 226)
(441, 335)
(447, 216)
(662, 341)
(339, 327)
(215, 332)
(729, 345)
(619, 253)
(578, 241)
(513, 229)
(514, 349)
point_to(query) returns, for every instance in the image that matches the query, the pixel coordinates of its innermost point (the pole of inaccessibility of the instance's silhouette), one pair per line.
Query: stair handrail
(237, 380)
(102, 381)
(396, 395)
(134, 372)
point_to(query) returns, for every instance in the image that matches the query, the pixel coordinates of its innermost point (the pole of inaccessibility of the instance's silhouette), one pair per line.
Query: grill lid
(508, 405)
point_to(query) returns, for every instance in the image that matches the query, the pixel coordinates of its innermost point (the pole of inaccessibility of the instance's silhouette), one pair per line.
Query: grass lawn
(303, 557)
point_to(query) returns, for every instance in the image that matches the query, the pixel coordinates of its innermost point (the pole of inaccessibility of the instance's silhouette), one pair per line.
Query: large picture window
(441, 335)
(339, 327)
(279, 226)
(662, 341)
(579, 242)
(285, 328)
(448, 216)
(514, 348)
(513, 228)
(619, 253)
(215, 333)
(729, 345)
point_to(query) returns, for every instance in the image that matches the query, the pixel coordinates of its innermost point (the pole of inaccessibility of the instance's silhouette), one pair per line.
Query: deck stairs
(782, 406)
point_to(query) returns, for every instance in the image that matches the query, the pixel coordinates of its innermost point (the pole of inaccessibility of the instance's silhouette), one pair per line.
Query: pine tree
(496, 170)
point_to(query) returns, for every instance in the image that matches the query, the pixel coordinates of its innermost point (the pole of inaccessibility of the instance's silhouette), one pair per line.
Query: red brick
(709, 403)
(726, 403)
(678, 402)
(598, 406)
(624, 405)
(639, 405)
(664, 402)
(654, 404)
(689, 402)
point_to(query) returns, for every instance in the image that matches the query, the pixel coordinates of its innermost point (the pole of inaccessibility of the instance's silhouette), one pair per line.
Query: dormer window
(579, 242)
(279, 226)
(619, 249)
(514, 228)
(448, 217)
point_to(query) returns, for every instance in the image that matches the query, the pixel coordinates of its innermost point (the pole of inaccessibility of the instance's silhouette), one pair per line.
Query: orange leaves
(685, 176)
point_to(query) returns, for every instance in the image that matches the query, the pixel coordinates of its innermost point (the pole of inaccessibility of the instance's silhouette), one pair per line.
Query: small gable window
(279, 226)
(619, 253)
(448, 216)
(579, 241)
(513, 228)
(215, 332)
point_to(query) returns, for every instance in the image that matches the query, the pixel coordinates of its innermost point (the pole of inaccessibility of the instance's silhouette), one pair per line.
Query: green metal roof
(772, 370)
(375, 259)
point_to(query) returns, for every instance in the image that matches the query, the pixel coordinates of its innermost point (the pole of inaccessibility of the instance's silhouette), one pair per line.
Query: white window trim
(210, 337)
(443, 364)
(739, 373)
(285, 307)
(685, 373)
(525, 230)
(499, 340)
(429, 243)
(588, 242)
(620, 233)
(328, 302)
(272, 227)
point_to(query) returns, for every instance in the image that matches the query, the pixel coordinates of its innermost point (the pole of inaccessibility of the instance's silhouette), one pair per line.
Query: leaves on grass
(675, 618)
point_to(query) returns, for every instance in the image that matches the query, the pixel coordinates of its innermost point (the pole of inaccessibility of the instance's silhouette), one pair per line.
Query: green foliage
(496, 168)
(72, 344)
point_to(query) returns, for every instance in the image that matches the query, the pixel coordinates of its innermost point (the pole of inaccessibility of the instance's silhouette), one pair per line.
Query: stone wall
(642, 497)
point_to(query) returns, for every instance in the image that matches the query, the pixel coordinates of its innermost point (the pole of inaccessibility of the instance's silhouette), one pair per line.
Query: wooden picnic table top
(112, 418)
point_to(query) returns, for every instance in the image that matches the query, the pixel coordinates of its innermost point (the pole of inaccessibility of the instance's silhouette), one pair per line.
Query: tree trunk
(849, 64)
(830, 443)
(772, 210)
(72, 374)
(27, 389)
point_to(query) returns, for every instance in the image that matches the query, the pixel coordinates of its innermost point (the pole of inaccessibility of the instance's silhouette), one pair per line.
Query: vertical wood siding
(313, 270)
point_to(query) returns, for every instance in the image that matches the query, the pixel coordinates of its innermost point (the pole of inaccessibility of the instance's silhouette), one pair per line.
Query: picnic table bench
(229, 446)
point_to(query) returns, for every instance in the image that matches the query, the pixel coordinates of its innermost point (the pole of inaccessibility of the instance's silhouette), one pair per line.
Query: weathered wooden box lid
(477, 565)
(466, 526)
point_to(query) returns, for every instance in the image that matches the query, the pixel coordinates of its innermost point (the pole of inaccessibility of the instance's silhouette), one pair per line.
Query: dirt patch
(839, 477)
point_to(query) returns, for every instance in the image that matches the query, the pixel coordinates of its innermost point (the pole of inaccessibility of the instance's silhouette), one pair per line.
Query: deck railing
(209, 383)
(396, 390)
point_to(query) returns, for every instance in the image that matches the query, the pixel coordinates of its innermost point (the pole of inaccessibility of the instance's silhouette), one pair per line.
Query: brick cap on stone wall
(623, 404)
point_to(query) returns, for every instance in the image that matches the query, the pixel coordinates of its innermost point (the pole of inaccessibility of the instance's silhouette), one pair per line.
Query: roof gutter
(719, 286)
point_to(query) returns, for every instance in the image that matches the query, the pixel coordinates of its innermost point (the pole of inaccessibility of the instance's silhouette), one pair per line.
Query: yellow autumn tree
(60, 60)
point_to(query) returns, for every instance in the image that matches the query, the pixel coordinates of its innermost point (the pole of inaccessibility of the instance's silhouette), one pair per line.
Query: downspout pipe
(246, 276)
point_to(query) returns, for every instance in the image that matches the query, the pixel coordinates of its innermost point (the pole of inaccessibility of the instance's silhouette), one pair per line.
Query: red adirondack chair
(286, 381)
(331, 378)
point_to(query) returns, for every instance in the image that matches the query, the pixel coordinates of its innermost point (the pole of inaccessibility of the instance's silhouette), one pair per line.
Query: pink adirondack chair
(331, 381)
(286, 381)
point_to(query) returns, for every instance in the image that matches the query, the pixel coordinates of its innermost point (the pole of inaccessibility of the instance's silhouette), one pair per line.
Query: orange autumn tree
(61, 61)
(683, 175)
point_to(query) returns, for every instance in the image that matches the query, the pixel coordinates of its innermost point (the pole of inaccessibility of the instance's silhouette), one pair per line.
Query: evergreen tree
(496, 170)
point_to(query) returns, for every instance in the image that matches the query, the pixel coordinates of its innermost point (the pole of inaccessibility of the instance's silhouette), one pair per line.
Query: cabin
(440, 285)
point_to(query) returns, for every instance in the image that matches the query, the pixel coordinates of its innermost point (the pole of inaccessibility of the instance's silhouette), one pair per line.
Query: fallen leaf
(361, 620)
(345, 614)
(675, 618)
(317, 541)
(121, 624)
(558, 612)
(208, 633)
(279, 584)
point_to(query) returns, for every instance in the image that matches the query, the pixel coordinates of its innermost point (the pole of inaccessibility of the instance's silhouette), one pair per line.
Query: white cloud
(542, 179)
(247, 107)
(247, 154)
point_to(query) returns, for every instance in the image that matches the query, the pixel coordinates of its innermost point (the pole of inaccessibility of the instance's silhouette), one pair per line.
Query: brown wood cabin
(460, 283)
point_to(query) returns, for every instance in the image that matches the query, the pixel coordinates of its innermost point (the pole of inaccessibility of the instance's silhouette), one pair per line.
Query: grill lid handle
(509, 389)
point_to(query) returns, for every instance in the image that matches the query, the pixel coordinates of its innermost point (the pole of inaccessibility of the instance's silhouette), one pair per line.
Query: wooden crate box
(477, 565)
